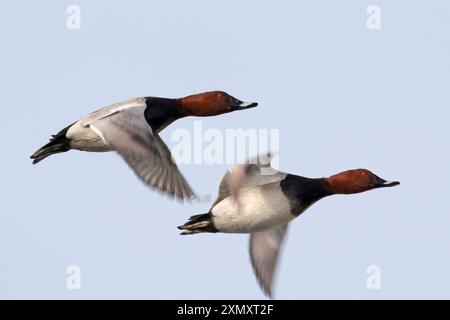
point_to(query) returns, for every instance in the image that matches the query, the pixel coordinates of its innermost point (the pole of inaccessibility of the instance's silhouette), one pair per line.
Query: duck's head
(356, 181)
(212, 104)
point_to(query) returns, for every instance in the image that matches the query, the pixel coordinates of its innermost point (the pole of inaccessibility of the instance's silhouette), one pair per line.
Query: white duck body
(85, 136)
(124, 127)
(85, 139)
(256, 208)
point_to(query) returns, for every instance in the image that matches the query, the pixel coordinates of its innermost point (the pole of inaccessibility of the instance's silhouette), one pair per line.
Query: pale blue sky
(342, 96)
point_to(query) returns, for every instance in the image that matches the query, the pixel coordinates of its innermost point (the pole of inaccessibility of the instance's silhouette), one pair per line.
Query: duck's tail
(59, 143)
(198, 224)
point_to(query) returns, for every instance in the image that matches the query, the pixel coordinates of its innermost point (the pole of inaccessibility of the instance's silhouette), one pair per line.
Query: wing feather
(255, 172)
(127, 132)
(264, 252)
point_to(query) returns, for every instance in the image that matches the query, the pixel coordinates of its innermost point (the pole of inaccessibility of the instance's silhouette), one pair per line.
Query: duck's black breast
(161, 112)
(302, 192)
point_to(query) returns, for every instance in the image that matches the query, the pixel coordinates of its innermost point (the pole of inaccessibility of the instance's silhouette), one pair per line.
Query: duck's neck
(303, 192)
(161, 112)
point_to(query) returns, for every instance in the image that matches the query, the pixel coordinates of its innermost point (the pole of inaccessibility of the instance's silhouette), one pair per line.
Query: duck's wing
(264, 251)
(112, 109)
(127, 132)
(255, 172)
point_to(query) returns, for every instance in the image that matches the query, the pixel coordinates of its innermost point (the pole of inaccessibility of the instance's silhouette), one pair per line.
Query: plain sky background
(342, 96)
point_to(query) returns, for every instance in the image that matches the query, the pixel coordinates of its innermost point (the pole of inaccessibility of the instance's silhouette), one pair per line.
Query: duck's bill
(381, 183)
(245, 105)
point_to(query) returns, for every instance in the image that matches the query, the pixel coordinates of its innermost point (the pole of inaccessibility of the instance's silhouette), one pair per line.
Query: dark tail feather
(197, 224)
(59, 143)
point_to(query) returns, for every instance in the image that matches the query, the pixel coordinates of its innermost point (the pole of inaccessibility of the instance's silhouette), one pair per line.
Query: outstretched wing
(254, 172)
(264, 251)
(127, 132)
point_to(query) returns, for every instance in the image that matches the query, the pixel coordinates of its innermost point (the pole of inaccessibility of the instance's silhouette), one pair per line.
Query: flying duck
(254, 198)
(132, 129)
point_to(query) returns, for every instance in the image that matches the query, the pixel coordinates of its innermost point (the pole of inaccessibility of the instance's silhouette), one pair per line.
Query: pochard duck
(132, 129)
(254, 198)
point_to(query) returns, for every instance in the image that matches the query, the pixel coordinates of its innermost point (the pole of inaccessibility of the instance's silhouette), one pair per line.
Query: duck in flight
(132, 129)
(254, 198)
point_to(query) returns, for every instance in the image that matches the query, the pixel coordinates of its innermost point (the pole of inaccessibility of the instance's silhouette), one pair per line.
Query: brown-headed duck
(132, 129)
(256, 199)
